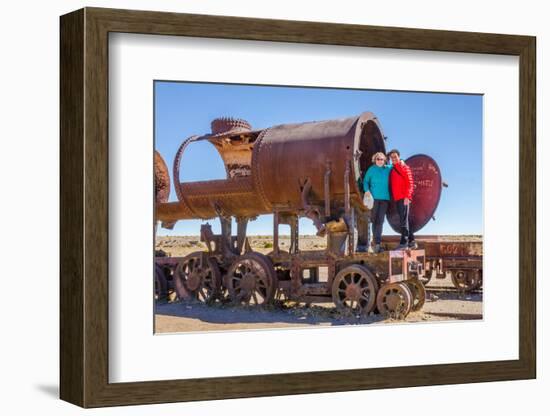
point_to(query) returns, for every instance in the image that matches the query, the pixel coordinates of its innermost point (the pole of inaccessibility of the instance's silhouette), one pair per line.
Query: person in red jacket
(402, 185)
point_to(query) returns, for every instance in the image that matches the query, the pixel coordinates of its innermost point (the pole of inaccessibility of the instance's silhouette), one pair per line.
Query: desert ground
(172, 315)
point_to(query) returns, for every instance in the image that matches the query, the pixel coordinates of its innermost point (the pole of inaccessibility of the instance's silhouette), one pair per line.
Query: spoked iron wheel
(418, 294)
(395, 300)
(466, 280)
(251, 280)
(194, 280)
(354, 290)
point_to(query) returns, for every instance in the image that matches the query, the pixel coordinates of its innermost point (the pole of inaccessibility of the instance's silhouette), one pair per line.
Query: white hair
(374, 156)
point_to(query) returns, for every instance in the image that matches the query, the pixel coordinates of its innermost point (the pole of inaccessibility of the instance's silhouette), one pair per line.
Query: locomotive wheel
(418, 292)
(161, 285)
(395, 300)
(466, 280)
(354, 290)
(251, 280)
(193, 280)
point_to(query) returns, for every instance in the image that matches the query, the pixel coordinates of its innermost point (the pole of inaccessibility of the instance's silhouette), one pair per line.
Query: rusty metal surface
(168, 261)
(170, 212)
(456, 249)
(419, 294)
(173, 211)
(308, 148)
(395, 300)
(406, 264)
(209, 198)
(466, 280)
(355, 289)
(449, 254)
(225, 125)
(197, 279)
(278, 161)
(251, 279)
(444, 246)
(234, 139)
(162, 179)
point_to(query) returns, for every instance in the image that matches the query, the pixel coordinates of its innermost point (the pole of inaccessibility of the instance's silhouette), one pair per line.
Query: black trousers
(377, 215)
(406, 232)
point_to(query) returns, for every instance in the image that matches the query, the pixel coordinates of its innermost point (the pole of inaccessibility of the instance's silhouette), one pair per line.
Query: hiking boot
(402, 246)
(413, 245)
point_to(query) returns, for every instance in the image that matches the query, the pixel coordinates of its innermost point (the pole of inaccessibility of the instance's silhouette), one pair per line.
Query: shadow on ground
(457, 316)
(226, 314)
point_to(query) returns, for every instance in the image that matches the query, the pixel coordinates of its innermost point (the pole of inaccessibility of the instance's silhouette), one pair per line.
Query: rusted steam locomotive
(310, 170)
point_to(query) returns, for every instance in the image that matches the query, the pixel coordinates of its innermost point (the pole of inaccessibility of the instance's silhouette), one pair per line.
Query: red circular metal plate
(426, 194)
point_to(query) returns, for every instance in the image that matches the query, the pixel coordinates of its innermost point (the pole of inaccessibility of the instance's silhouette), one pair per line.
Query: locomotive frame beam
(242, 223)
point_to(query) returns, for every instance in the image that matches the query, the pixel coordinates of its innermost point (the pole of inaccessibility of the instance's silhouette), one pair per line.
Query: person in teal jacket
(377, 183)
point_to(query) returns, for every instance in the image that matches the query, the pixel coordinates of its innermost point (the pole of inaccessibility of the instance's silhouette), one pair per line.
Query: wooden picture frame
(84, 207)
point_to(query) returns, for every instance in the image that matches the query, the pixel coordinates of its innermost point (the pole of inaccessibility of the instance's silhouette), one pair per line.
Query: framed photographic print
(255, 207)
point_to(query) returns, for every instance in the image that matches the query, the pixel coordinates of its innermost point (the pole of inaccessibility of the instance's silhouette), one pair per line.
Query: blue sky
(447, 127)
